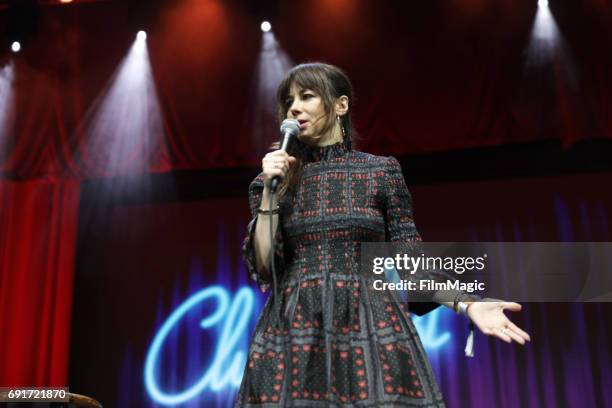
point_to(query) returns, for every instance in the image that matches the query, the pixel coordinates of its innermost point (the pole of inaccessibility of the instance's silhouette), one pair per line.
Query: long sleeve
(401, 228)
(400, 225)
(248, 248)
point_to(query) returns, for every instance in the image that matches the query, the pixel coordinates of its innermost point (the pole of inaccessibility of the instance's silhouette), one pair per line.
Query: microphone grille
(290, 125)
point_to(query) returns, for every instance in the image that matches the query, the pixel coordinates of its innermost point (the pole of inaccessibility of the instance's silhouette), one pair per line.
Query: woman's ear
(342, 105)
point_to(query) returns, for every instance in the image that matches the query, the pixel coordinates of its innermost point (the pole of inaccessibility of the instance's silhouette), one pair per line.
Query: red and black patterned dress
(338, 344)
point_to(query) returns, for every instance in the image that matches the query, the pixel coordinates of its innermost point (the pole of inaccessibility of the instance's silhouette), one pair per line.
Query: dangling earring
(341, 127)
(345, 139)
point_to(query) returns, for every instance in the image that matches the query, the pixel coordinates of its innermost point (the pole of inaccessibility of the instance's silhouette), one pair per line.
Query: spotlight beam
(123, 130)
(272, 64)
(7, 105)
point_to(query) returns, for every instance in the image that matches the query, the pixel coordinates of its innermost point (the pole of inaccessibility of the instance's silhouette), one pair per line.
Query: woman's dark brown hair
(330, 83)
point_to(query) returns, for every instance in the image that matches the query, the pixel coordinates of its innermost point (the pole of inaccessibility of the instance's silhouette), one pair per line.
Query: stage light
(542, 3)
(124, 129)
(141, 36)
(15, 46)
(266, 26)
(272, 64)
(65, 1)
(7, 105)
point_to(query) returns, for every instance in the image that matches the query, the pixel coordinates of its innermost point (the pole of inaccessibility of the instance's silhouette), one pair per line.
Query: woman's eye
(307, 96)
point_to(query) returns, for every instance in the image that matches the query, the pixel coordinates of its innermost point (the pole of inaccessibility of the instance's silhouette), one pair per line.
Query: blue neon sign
(228, 363)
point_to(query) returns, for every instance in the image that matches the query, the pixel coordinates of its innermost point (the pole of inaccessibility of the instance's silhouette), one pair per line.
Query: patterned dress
(337, 345)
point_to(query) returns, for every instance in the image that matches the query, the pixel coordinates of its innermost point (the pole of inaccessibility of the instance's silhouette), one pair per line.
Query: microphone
(290, 128)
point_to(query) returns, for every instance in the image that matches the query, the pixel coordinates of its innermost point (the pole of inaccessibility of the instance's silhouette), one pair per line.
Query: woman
(326, 340)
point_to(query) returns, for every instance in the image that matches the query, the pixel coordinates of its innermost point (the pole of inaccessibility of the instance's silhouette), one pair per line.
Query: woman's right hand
(274, 164)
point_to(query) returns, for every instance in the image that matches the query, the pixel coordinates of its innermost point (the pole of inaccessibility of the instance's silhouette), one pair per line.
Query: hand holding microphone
(276, 164)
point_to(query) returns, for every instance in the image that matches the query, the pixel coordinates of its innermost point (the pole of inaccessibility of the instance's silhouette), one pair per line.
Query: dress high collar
(310, 154)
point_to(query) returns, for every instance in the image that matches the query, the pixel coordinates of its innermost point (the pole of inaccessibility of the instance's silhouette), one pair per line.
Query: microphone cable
(290, 128)
(276, 303)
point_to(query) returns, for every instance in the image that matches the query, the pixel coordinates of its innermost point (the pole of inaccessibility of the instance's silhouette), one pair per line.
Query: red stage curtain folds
(38, 231)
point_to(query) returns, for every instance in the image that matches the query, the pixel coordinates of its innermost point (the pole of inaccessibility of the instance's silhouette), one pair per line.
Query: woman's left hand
(491, 320)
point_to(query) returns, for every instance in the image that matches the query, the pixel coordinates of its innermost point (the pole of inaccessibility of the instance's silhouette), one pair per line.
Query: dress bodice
(338, 203)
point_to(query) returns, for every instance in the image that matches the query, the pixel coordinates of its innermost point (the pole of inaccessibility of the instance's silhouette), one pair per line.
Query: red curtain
(38, 232)
(426, 78)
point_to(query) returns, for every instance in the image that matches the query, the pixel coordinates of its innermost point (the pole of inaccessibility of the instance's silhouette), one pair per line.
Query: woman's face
(308, 108)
